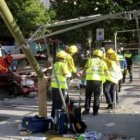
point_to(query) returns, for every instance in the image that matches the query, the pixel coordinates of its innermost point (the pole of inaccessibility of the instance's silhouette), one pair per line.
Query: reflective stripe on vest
(95, 70)
(127, 55)
(61, 79)
(121, 58)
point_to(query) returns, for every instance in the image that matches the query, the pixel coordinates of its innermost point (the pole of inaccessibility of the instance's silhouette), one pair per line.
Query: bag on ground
(76, 125)
(61, 121)
(37, 124)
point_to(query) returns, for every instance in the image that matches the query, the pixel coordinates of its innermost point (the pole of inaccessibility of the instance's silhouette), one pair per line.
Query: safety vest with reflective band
(61, 79)
(121, 58)
(114, 74)
(127, 55)
(95, 69)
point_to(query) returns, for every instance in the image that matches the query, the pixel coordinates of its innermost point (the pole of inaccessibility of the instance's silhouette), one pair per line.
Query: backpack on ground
(37, 124)
(61, 121)
(76, 124)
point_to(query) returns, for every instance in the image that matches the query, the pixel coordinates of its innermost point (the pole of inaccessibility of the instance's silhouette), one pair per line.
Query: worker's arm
(65, 71)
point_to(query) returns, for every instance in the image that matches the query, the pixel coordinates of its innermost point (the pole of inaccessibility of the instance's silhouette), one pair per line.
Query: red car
(21, 79)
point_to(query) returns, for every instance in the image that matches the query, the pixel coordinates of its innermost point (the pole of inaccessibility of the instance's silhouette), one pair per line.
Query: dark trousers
(118, 89)
(110, 89)
(93, 87)
(56, 100)
(119, 85)
(129, 68)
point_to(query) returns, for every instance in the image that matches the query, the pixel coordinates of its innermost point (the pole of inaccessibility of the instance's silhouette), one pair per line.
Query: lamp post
(116, 33)
(137, 26)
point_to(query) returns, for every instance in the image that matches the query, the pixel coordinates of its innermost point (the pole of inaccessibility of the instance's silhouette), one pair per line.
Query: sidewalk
(122, 123)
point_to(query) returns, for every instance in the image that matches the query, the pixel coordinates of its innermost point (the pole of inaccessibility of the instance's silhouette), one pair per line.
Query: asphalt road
(4, 94)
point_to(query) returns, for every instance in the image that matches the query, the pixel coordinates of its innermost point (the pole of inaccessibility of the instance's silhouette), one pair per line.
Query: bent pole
(123, 31)
(18, 36)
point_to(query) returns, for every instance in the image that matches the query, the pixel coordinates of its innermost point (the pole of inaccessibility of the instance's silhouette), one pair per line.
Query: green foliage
(29, 15)
(67, 9)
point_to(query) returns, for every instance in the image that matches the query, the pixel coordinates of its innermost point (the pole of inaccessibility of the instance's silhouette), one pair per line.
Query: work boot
(95, 113)
(109, 106)
(85, 112)
(119, 90)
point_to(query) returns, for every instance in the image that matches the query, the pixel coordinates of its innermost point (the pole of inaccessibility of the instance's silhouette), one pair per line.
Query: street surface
(121, 123)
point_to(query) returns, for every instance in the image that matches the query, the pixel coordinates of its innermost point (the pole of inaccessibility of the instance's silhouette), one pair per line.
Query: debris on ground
(109, 124)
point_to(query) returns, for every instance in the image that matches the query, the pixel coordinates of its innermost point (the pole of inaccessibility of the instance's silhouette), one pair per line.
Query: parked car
(21, 79)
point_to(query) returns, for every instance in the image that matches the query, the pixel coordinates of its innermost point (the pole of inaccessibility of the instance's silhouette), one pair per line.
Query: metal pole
(65, 22)
(115, 34)
(138, 33)
(89, 39)
(79, 25)
(100, 18)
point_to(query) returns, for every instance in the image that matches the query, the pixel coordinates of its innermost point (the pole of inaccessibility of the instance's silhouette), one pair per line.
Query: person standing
(71, 51)
(61, 71)
(95, 70)
(129, 59)
(123, 65)
(112, 78)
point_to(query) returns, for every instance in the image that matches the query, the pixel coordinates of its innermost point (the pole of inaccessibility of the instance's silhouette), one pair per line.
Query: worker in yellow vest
(61, 71)
(71, 50)
(123, 65)
(129, 59)
(95, 70)
(112, 78)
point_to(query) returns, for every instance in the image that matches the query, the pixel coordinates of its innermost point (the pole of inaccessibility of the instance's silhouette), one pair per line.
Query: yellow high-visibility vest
(114, 74)
(95, 69)
(61, 78)
(70, 63)
(127, 55)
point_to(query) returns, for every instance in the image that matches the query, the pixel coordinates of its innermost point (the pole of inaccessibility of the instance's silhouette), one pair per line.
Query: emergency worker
(71, 50)
(129, 59)
(123, 65)
(112, 78)
(61, 71)
(95, 70)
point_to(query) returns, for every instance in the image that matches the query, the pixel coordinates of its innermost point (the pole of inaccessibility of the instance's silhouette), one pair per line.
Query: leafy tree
(29, 15)
(67, 9)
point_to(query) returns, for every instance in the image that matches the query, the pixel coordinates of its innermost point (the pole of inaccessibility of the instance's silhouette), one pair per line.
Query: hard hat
(98, 53)
(110, 50)
(72, 49)
(61, 54)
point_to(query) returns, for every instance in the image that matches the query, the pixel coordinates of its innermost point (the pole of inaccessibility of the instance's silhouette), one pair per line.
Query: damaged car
(21, 79)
